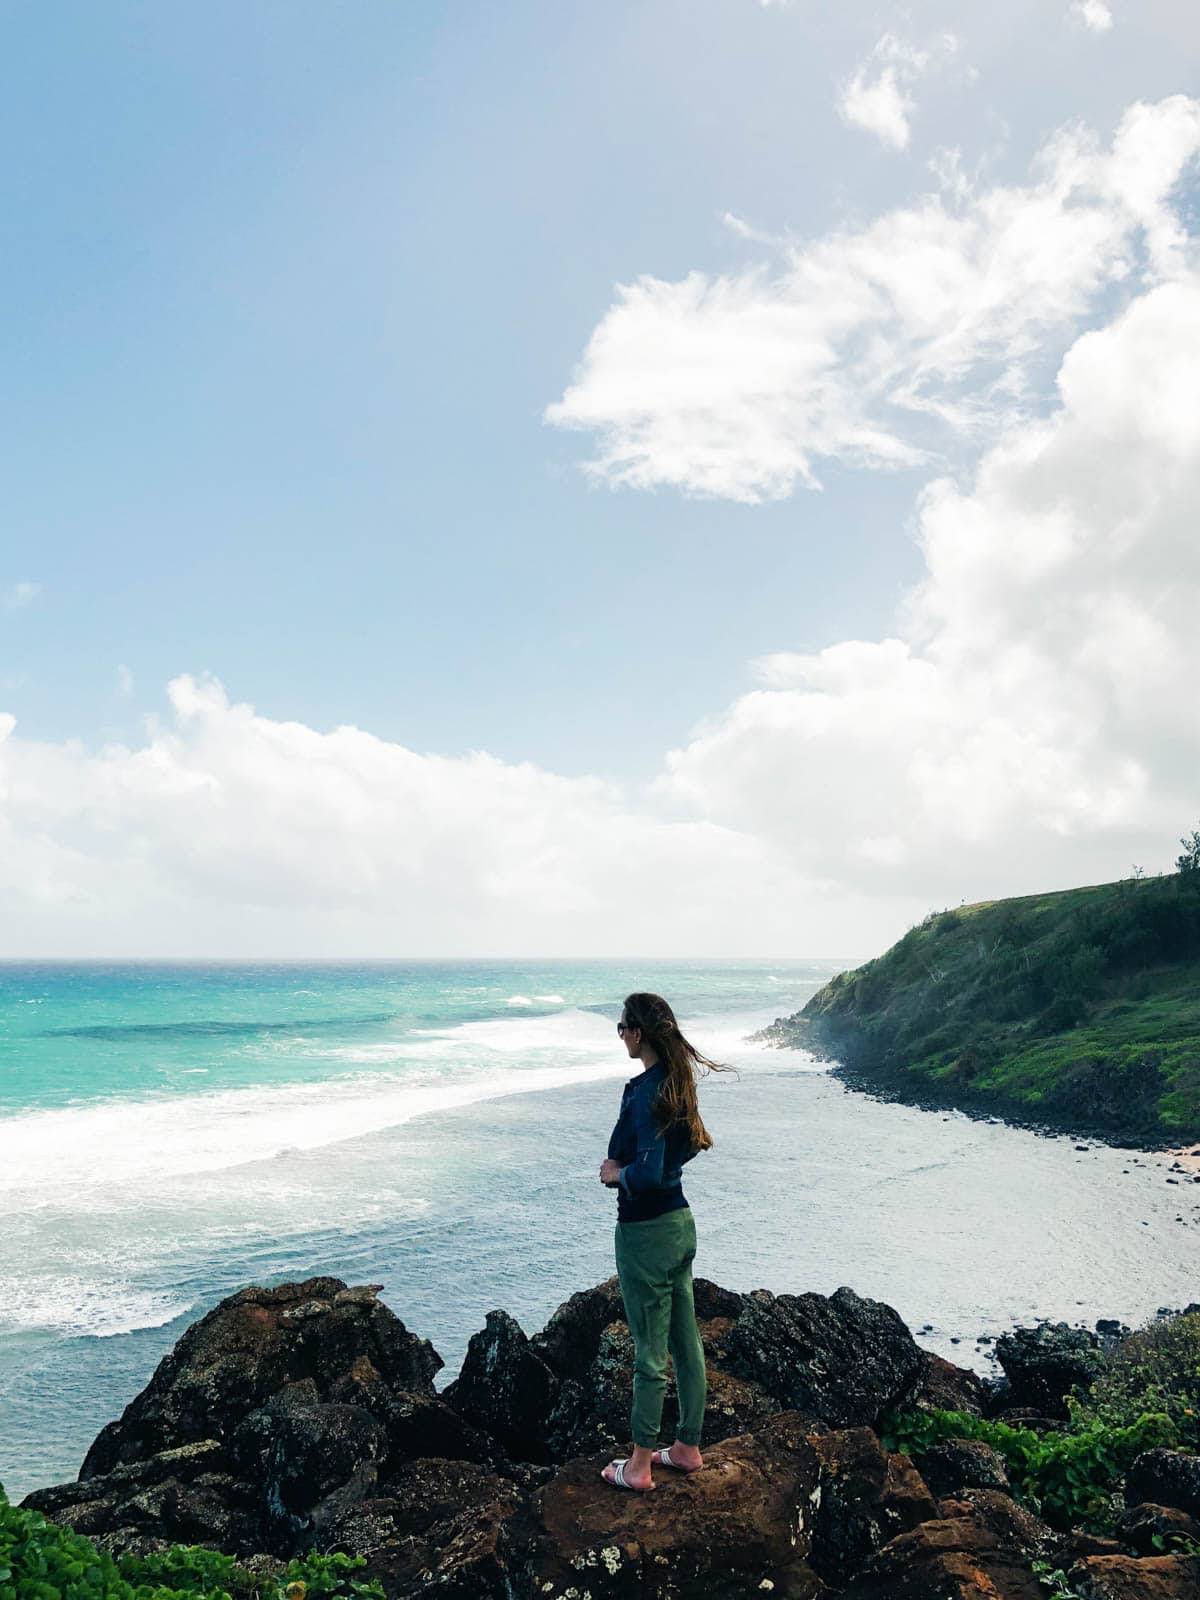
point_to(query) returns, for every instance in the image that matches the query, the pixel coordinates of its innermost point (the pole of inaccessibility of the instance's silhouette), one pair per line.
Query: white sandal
(618, 1464)
(664, 1458)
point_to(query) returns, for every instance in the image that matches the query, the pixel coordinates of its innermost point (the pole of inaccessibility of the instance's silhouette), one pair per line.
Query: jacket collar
(657, 1070)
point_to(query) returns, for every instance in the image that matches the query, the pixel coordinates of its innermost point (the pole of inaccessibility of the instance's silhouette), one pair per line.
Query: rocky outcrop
(734, 1529)
(1166, 1477)
(957, 1464)
(304, 1418)
(250, 1347)
(1043, 1365)
(984, 1551)
(506, 1387)
(843, 1359)
(865, 1497)
(272, 1412)
(946, 1387)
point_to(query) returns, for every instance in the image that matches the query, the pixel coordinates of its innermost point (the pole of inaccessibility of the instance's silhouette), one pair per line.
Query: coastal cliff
(1078, 1011)
(302, 1420)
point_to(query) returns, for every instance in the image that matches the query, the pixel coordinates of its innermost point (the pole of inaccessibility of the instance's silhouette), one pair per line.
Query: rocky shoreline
(897, 1087)
(304, 1417)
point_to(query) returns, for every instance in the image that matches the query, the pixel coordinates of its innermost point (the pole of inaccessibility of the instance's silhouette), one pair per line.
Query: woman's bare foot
(637, 1470)
(686, 1457)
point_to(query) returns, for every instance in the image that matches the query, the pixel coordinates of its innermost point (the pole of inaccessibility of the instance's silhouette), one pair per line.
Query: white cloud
(878, 96)
(745, 230)
(231, 833)
(1094, 14)
(17, 595)
(881, 346)
(1029, 723)
(1033, 721)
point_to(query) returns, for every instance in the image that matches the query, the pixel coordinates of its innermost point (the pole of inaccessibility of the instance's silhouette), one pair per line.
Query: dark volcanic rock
(957, 1464)
(571, 1338)
(249, 1347)
(1167, 1478)
(1046, 1363)
(189, 1494)
(738, 1528)
(506, 1388)
(299, 1451)
(865, 1498)
(416, 1424)
(1141, 1526)
(304, 1417)
(950, 1388)
(986, 1553)
(276, 1406)
(842, 1358)
(442, 1527)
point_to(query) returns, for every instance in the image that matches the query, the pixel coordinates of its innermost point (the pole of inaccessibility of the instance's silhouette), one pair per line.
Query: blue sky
(289, 288)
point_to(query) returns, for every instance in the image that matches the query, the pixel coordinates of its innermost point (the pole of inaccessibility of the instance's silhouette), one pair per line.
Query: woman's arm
(645, 1171)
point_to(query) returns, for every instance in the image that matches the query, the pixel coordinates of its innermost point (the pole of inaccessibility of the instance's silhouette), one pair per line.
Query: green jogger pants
(654, 1264)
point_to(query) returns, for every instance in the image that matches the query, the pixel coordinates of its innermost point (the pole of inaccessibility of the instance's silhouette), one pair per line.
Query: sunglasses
(625, 1027)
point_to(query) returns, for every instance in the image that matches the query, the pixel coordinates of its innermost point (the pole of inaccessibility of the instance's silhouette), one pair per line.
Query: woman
(657, 1131)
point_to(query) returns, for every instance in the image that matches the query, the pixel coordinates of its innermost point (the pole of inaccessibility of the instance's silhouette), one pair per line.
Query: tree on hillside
(1189, 861)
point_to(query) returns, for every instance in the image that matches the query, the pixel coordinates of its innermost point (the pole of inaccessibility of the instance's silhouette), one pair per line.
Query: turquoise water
(169, 1133)
(151, 1114)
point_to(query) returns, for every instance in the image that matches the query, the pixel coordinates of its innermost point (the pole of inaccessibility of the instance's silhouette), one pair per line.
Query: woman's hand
(610, 1172)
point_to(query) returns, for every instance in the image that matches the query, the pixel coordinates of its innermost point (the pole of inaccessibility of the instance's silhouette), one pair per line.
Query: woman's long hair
(676, 1099)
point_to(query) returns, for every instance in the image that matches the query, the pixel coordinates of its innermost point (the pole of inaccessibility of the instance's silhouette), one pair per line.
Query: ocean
(172, 1131)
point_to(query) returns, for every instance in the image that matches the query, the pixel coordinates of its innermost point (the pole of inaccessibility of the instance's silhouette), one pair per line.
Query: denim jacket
(651, 1177)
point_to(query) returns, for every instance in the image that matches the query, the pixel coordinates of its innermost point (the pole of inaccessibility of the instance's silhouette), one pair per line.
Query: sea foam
(127, 1145)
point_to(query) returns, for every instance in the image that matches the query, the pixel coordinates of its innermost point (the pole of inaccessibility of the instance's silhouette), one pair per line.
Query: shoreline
(897, 1087)
(982, 1108)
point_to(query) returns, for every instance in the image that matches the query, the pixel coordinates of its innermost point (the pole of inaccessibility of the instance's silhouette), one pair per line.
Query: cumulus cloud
(17, 595)
(1094, 14)
(884, 345)
(226, 832)
(879, 98)
(1032, 722)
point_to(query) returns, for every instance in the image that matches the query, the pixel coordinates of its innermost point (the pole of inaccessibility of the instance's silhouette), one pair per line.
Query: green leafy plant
(1054, 1581)
(39, 1560)
(1175, 1544)
(1157, 1369)
(1070, 1477)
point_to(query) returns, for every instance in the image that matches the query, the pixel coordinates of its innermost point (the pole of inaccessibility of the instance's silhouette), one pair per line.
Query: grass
(1079, 1008)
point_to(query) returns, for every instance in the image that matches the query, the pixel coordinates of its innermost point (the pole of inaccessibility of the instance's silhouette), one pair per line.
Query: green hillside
(1080, 1010)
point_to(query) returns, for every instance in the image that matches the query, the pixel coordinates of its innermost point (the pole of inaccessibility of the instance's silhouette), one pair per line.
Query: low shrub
(1071, 1478)
(39, 1560)
(1157, 1369)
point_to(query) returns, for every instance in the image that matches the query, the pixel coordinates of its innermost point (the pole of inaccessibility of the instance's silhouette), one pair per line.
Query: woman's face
(631, 1036)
